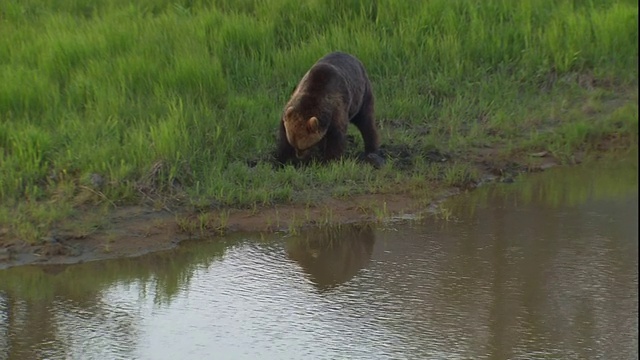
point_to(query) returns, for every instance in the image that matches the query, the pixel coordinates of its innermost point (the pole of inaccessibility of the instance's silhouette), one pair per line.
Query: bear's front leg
(335, 142)
(285, 153)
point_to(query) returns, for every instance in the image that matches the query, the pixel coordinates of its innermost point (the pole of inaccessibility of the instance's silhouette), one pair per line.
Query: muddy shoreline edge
(133, 231)
(136, 230)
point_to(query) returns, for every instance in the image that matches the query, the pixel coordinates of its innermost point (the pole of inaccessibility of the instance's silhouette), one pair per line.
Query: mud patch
(404, 156)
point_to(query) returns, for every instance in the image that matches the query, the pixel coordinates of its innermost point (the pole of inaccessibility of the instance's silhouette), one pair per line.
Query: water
(546, 268)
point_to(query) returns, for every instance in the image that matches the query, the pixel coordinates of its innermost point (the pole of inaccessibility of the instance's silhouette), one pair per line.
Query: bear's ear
(313, 125)
(287, 113)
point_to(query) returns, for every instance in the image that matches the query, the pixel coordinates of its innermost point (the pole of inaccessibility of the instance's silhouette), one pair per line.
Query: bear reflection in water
(332, 256)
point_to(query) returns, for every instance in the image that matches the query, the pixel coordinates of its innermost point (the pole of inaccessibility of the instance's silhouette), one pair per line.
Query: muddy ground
(136, 230)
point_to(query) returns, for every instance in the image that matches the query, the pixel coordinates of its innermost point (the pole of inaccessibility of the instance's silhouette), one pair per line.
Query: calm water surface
(546, 268)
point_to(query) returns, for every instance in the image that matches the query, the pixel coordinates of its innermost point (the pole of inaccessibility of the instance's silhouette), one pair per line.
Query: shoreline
(136, 230)
(133, 231)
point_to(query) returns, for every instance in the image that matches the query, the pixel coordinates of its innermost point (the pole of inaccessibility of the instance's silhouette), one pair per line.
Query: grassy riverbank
(176, 103)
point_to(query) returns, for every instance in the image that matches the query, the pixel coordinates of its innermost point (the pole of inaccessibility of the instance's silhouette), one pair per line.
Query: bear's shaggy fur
(334, 92)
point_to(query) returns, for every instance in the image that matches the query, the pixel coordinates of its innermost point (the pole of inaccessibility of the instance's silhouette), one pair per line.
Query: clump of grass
(32, 222)
(204, 223)
(444, 213)
(113, 88)
(379, 212)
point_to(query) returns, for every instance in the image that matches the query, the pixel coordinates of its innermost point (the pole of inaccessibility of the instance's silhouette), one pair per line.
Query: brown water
(545, 268)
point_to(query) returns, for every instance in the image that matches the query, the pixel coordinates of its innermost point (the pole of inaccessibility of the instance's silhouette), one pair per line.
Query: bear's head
(302, 133)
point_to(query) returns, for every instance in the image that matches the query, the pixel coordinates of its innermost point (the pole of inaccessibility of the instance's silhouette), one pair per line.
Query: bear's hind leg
(365, 122)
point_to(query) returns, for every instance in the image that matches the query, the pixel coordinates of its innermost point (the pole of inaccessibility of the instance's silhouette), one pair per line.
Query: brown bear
(334, 92)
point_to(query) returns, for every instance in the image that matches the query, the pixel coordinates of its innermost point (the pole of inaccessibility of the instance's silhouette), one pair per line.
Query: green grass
(170, 101)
